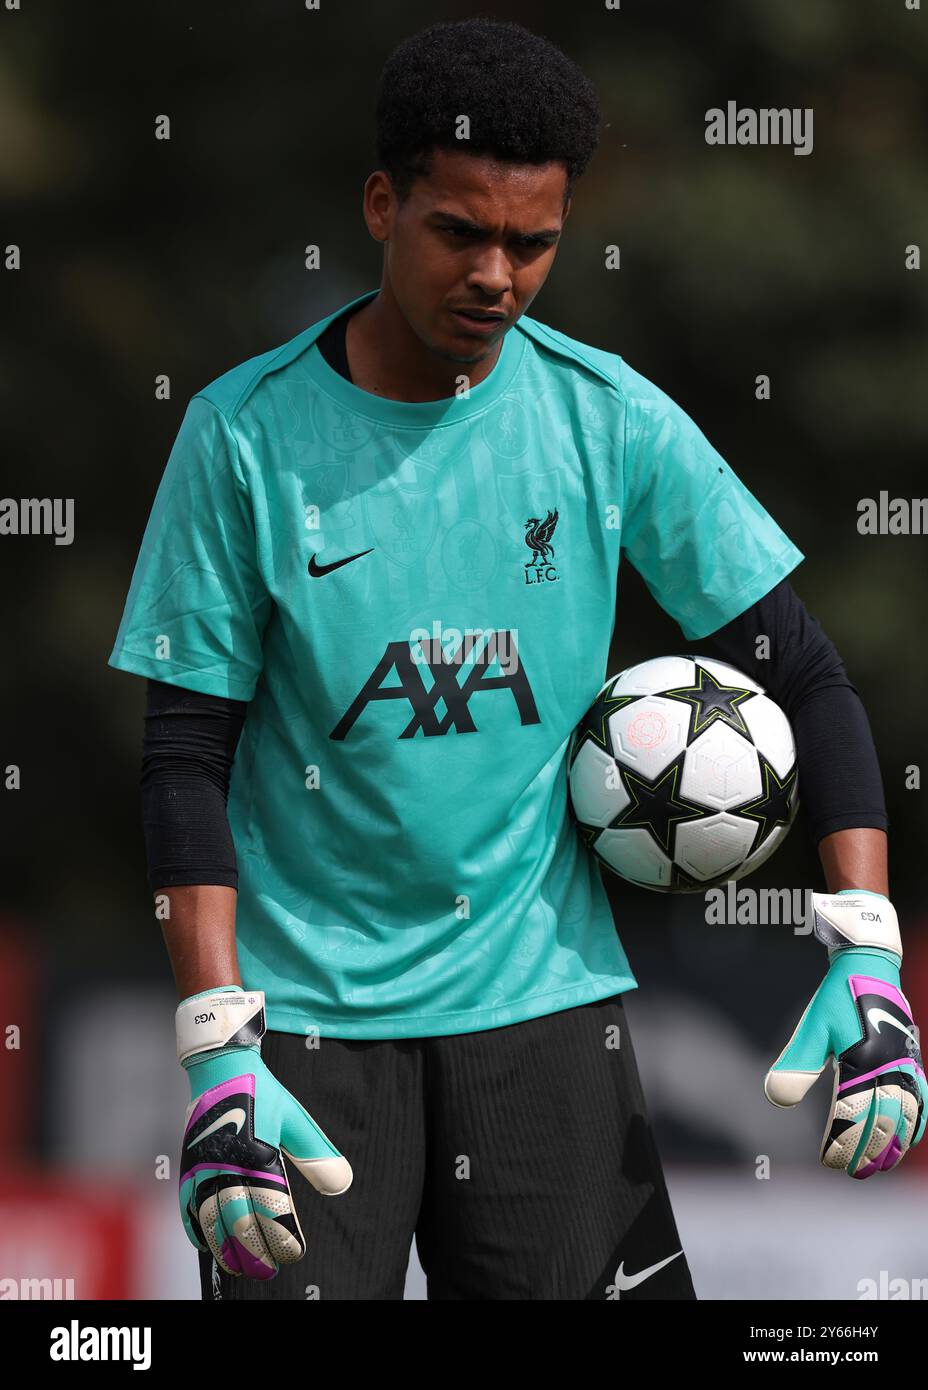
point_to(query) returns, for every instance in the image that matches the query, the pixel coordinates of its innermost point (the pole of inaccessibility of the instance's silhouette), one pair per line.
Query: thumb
(802, 1060)
(309, 1150)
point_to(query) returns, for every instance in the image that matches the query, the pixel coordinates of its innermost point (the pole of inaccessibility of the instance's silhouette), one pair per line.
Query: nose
(491, 273)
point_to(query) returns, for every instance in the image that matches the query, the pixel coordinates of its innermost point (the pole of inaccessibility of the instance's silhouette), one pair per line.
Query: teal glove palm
(860, 1020)
(235, 1197)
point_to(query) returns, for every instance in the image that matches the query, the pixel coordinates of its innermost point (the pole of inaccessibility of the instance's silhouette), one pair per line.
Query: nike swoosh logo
(235, 1117)
(631, 1281)
(316, 570)
(878, 1016)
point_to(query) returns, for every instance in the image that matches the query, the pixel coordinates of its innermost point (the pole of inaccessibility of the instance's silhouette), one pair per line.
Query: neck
(388, 359)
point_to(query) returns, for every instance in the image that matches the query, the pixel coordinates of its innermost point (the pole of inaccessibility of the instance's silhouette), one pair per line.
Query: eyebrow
(467, 225)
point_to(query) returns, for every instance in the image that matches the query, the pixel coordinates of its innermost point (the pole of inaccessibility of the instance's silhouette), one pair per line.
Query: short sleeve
(197, 605)
(703, 544)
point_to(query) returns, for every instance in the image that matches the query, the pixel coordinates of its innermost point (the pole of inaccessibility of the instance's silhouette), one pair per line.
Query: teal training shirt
(418, 601)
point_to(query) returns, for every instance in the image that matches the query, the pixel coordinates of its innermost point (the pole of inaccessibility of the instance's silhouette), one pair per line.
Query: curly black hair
(526, 101)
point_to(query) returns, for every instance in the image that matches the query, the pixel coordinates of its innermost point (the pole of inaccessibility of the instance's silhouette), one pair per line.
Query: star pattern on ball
(655, 805)
(682, 882)
(711, 701)
(594, 728)
(773, 806)
(589, 834)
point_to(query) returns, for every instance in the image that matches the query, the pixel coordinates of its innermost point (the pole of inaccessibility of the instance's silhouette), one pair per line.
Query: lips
(481, 315)
(476, 322)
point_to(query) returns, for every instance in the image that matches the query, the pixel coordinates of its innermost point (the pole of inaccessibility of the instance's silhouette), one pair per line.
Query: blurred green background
(184, 257)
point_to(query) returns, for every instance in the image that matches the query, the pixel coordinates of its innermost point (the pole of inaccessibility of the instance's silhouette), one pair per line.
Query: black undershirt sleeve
(187, 755)
(840, 787)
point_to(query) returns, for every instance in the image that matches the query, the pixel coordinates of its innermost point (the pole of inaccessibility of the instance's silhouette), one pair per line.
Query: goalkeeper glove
(235, 1198)
(860, 1018)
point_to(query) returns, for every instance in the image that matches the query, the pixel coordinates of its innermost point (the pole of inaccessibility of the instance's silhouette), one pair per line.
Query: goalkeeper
(374, 597)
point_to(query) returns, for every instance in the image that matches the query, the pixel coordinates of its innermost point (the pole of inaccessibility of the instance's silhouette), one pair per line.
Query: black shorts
(521, 1158)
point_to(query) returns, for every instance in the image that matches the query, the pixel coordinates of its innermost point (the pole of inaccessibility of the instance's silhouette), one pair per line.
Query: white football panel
(650, 733)
(634, 854)
(721, 769)
(771, 731)
(594, 801)
(713, 846)
(651, 677)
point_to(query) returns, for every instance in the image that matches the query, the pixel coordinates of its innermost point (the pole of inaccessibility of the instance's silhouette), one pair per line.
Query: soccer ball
(683, 774)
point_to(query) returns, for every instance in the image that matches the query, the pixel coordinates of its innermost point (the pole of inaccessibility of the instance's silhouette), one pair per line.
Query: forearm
(840, 786)
(855, 859)
(199, 933)
(188, 751)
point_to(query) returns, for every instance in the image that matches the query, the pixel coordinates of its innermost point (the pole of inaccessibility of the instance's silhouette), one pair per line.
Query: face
(469, 249)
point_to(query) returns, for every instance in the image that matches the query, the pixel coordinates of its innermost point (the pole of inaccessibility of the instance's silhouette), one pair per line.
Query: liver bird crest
(538, 537)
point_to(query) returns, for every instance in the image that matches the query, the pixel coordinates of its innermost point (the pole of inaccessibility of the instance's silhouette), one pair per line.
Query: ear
(379, 204)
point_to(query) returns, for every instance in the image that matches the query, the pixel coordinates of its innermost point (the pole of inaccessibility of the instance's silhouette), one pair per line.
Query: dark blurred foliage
(185, 257)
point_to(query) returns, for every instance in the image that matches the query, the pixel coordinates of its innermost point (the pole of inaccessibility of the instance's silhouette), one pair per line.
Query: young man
(380, 579)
